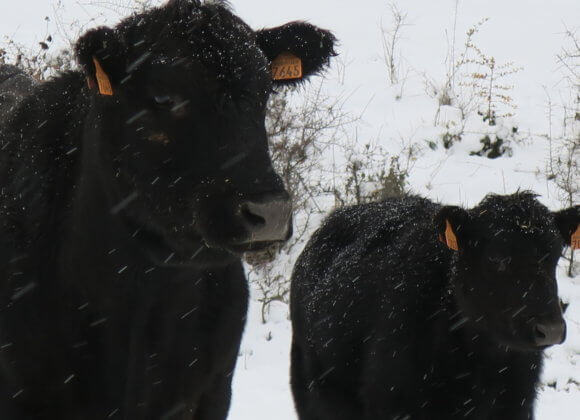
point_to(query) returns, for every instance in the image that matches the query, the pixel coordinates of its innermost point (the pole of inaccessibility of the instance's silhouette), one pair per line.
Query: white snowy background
(529, 33)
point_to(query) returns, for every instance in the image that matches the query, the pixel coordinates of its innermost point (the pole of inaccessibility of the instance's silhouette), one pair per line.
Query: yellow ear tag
(286, 66)
(103, 81)
(575, 241)
(450, 238)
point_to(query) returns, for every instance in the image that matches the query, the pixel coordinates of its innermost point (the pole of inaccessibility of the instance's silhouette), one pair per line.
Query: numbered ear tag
(575, 240)
(450, 238)
(286, 66)
(103, 81)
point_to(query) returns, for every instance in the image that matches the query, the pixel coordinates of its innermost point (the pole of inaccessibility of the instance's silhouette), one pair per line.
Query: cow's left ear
(102, 56)
(296, 50)
(568, 222)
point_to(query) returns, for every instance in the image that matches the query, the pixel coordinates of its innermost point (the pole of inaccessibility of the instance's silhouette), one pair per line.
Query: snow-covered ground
(528, 33)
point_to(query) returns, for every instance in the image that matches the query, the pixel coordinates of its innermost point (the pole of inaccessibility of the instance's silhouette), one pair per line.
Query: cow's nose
(268, 218)
(549, 333)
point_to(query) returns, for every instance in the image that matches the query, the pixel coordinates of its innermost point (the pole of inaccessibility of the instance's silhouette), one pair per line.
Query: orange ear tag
(103, 81)
(575, 241)
(286, 66)
(450, 238)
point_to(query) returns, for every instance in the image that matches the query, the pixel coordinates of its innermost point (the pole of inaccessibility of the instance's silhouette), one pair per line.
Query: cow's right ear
(102, 56)
(450, 223)
(568, 223)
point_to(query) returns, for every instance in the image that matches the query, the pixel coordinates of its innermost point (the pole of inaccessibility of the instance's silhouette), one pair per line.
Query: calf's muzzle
(549, 333)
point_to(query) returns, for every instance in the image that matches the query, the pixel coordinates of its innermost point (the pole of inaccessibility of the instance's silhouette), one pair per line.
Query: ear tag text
(286, 66)
(103, 81)
(575, 240)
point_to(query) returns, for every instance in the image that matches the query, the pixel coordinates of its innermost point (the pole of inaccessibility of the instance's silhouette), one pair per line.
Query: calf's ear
(568, 222)
(101, 54)
(450, 223)
(296, 50)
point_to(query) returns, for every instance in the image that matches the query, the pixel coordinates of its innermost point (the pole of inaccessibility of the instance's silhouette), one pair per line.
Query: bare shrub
(476, 85)
(450, 92)
(390, 38)
(371, 175)
(38, 61)
(563, 166)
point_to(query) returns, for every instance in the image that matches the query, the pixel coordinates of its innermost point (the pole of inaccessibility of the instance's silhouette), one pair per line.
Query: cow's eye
(164, 101)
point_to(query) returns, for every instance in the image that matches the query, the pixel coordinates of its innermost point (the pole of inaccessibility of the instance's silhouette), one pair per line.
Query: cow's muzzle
(267, 219)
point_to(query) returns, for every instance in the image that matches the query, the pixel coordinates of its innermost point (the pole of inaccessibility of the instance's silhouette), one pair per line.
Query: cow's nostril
(540, 332)
(267, 219)
(549, 333)
(252, 218)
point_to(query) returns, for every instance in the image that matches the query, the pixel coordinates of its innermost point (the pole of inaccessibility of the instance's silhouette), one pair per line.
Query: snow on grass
(558, 405)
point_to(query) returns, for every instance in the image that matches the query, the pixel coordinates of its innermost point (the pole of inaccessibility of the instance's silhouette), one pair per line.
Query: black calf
(391, 323)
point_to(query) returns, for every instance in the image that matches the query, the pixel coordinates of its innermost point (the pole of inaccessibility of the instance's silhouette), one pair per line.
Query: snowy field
(529, 33)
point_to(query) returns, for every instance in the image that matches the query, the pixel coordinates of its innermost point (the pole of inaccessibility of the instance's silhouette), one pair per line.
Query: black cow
(129, 191)
(389, 323)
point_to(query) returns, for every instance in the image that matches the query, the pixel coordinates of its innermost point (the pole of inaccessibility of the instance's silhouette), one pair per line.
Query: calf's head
(179, 94)
(506, 251)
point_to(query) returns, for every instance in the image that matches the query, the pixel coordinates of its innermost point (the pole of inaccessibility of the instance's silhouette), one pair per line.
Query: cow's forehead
(507, 225)
(518, 219)
(524, 223)
(521, 211)
(210, 35)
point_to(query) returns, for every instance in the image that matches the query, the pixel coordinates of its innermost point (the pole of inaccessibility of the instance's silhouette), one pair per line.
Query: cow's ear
(450, 223)
(101, 54)
(296, 50)
(568, 222)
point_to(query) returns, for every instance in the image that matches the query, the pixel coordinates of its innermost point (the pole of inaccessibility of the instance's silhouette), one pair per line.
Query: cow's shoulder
(15, 85)
(40, 140)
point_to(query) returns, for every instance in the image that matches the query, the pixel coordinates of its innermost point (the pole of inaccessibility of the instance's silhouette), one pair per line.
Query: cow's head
(504, 266)
(180, 96)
